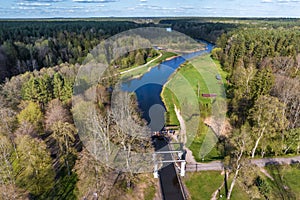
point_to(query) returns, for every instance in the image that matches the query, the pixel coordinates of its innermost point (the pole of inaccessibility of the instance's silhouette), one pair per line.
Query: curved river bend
(149, 86)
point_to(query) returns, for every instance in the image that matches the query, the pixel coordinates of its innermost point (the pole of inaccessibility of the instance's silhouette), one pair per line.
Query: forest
(263, 99)
(41, 155)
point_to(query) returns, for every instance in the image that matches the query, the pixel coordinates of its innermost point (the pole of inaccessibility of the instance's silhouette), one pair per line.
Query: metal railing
(178, 177)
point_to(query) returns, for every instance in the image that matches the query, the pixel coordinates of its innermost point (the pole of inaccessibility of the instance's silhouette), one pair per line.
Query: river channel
(149, 86)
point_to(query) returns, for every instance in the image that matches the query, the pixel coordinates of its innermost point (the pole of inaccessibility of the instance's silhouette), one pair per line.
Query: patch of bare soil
(220, 127)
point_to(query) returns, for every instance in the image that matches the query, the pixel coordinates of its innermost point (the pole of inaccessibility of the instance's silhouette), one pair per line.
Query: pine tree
(58, 84)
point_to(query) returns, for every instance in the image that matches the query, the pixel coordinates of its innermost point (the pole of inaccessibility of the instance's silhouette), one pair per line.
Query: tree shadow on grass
(281, 189)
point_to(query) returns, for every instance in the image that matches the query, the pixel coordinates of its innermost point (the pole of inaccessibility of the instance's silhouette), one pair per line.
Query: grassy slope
(200, 72)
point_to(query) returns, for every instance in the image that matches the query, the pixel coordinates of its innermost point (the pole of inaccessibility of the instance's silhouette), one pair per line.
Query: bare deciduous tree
(240, 141)
(133, 136)
(56, 112)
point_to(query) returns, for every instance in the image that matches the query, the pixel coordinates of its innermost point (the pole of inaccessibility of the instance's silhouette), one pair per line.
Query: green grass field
(285, 185)
(286, 181)
(202, 185)
(184, 89)
(210, 150)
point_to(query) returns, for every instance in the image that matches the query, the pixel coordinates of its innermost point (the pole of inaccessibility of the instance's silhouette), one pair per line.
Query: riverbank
(144, 65)
(189, 154)
(141, 70)
(190, 81)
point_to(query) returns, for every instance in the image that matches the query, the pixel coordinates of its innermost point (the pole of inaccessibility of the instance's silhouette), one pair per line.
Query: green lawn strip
(164, 56)
(201, 72)
(208, 70)
(238, 193)
(189, 73)
(168, 96)
(207, 152)
(196, 80)
(181, 88)
(134, 73)
(292, 177)
(143, 70)
(223, 73)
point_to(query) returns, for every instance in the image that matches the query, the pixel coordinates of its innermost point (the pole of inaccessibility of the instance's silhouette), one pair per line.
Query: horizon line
(149, 17)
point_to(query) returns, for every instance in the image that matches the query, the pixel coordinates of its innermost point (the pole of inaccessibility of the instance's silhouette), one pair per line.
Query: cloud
(33, 4)
(187, 7)
(41, 1)
(288, 1)
(283, 1)
(143, 0)
(94, 1)
(208, 8)
(267, 1)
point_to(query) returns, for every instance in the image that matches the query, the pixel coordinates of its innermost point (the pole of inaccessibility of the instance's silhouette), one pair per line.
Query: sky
(148, 8)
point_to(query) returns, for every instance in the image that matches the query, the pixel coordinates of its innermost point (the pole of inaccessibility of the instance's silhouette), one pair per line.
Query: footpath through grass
(185, 88)
(142, 70)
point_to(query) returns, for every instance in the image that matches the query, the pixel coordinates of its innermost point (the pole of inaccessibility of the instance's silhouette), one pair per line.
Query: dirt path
(192, 165)
(189, 156)
(144, 65)
(260, 162)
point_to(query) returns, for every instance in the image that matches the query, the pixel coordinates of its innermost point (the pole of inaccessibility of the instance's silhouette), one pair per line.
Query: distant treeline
(29, 45)
(200, 29)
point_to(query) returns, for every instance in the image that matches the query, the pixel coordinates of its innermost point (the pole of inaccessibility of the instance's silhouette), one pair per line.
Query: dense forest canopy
(29, 45)
(263, 86)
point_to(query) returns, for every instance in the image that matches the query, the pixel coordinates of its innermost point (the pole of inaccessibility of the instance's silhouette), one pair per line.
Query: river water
(149, 86)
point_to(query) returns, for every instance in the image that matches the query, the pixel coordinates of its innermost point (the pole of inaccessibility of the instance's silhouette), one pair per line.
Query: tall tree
(267, 118)
(64, 134)
(262, 83)
(91, 176)
(33, 167)
(56, 112)
(239, 142)
(58, 84)
(8, 119)
(31, 114)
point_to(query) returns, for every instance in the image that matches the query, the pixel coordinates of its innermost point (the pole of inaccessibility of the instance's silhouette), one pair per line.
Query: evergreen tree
(58, 86)
(262, 83)
(33, 166)
(31, 114)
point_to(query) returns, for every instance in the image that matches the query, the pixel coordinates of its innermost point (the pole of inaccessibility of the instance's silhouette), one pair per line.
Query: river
(149, 86)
